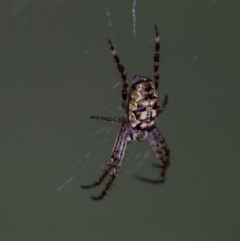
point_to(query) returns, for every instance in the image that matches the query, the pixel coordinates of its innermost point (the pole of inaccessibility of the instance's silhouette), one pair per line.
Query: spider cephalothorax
(142, 109)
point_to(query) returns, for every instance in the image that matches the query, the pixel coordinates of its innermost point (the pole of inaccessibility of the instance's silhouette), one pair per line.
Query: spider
(142, 108)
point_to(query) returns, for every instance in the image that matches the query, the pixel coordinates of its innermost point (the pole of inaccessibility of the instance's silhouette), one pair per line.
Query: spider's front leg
(162, 152)
(114, 164)
(123, 75)
(156, 58)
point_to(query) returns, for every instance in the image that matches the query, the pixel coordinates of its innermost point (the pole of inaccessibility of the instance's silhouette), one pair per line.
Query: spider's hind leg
(160, 148)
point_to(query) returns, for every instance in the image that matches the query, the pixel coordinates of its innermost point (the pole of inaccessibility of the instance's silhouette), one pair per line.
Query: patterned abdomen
(143, 104)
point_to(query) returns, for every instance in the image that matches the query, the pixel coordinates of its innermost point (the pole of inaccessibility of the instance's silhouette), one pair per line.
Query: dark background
(56, 70)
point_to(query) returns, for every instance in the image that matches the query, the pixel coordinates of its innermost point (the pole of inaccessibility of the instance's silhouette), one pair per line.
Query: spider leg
(165, 101)
(107, 187)
(100, 179)
(123, 75)
(162, 152)
(113, 119)
(114, 164)
(156, 57)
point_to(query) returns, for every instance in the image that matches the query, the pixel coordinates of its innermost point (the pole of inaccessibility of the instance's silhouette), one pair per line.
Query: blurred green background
(56, 70)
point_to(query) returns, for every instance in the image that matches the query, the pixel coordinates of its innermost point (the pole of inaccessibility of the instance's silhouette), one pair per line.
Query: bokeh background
(56, 70)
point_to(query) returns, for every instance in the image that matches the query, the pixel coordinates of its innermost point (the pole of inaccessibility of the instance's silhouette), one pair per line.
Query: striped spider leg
(160, 147)
(121, 140)
(114, 163)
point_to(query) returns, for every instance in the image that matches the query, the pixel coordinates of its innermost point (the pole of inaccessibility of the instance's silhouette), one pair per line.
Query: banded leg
(123, 75)
(165, 101)
(112, 119)
(156, 58)
(100, 179)
(114, 164)
(162, 152)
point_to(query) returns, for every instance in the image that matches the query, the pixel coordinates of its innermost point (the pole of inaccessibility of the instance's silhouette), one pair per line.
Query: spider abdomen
(143, 105)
